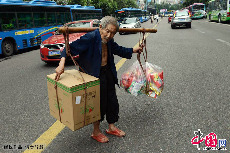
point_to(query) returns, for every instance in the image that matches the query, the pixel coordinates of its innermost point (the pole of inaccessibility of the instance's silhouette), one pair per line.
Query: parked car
(50, 49)
(130, 23)
(181, 17)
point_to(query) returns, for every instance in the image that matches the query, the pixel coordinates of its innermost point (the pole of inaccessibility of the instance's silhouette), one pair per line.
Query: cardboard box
(71, 97)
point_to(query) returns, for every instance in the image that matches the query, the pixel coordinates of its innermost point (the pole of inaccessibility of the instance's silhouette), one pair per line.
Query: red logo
(210, 141)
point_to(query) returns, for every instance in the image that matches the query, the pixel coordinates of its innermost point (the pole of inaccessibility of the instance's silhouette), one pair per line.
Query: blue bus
(85, 12)
(129, 12)
(27, 24)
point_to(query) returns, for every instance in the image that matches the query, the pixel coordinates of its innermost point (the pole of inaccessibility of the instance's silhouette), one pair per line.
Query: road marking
(225, 42)
(120, 63)
(199, 31)
(47, 137)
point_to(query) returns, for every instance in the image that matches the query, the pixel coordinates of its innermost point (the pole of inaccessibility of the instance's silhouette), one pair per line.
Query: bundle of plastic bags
(148, 80)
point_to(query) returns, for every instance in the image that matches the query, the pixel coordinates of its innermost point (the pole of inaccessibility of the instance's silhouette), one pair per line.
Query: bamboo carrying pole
(75, 30)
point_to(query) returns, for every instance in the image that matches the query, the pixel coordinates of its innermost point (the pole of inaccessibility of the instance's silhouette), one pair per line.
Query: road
(195, 96)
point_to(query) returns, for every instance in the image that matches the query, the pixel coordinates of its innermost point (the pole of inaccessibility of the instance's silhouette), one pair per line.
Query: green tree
(108, 6)
(166, 6)
(190, 2)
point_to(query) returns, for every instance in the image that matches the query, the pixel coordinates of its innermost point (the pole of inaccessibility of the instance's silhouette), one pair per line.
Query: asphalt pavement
(195, 96)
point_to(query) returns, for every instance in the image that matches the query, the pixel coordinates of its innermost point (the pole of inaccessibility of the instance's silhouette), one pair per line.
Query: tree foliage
(180, 5)
(108, 6)
(190, 2)
(167, 6)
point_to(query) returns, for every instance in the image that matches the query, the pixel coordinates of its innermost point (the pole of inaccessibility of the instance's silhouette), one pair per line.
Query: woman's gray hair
(109, 20)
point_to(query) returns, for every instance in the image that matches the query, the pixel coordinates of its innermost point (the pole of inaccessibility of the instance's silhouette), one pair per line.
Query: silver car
(181, 17)
(130, 23)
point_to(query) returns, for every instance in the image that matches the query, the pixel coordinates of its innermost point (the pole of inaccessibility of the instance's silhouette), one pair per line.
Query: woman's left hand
(138, 49)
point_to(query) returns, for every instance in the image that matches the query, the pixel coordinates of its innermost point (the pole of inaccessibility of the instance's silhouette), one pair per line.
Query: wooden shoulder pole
(76, 30)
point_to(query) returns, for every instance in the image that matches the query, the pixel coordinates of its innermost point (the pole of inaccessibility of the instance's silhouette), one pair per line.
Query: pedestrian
(157, 18)
(96, 52)
(151, 18)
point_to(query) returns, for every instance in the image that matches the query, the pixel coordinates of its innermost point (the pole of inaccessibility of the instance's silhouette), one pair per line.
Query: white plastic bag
(148, 81)
(133, 79)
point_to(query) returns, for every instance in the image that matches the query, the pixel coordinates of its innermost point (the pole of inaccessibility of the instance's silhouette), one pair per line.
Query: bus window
(25, 20)
(39, 19)
(8, 21)
(67, 17)
(61, 18)
(51, 18)
(224, 5)
(84, 16)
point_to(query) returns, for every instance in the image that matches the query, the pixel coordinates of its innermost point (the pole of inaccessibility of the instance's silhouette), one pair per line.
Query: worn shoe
(115, 132)
(100, 138)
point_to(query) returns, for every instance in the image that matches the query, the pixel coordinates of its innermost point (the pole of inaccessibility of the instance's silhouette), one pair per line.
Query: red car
(50, 49)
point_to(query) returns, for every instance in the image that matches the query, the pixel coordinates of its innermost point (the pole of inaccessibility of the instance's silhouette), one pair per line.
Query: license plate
(54, 53)
(181, 19)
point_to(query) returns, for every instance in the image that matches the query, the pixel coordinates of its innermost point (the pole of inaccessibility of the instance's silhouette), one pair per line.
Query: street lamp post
(146, 5)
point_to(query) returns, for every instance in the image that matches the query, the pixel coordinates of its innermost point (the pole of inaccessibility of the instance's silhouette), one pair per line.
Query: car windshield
(130, 20)
(96, 23)
(80, 24)
(181, 13)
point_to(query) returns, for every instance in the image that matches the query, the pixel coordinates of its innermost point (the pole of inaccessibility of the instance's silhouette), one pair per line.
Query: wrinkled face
(107, 33)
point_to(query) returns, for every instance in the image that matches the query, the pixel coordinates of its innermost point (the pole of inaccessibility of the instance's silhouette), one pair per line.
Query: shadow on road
(21, 51)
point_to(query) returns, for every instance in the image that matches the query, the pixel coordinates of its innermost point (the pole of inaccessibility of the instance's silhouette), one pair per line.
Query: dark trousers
(108, 99)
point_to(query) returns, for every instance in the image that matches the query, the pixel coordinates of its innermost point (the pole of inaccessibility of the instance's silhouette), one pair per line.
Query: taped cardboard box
(71, 97)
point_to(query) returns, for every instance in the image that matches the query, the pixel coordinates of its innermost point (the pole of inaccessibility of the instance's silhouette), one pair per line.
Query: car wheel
(7, 48)
(188, 25)
(173, 26)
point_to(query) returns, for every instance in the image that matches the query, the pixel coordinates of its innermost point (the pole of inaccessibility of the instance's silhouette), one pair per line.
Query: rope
(55, 86)
(143, 45)
(68, 53)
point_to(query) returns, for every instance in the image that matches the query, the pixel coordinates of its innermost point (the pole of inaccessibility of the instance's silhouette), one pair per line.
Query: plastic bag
(149, 82)
(133, 79)
(155, 80)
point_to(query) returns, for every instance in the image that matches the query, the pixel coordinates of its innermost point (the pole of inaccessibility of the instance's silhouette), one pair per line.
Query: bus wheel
(219, 18)
(7, 48)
